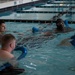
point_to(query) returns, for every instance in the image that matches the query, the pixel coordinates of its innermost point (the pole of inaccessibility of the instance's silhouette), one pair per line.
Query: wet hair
(59, 20)
(6, 39)
(1, 21)
(58, 24)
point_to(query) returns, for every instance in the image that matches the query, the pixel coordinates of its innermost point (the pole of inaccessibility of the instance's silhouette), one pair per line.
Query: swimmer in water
(8, 44)
(60, 28)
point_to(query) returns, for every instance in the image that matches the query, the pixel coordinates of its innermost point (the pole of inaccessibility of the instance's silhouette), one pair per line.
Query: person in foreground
(8, 44)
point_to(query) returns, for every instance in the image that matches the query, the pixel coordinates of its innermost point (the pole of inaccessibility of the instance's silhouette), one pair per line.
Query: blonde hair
(6, 39)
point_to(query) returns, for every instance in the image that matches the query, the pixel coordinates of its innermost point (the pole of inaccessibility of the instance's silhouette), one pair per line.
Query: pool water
(44, 57)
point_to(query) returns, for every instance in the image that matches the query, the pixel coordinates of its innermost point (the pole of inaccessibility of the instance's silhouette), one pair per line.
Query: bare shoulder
(5, 55)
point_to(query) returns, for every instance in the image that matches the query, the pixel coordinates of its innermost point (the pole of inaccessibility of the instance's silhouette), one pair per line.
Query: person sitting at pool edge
(8, 43)
(68, 41)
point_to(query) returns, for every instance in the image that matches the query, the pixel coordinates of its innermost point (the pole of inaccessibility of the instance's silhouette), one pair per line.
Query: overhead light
(61, 4)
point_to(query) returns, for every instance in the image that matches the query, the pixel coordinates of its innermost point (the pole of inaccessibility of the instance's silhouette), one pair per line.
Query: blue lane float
(66, 23)
(23, 54)
(34, 29)
(23, 50)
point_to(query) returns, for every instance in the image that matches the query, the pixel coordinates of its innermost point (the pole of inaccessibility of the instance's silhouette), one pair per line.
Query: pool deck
(11, 5)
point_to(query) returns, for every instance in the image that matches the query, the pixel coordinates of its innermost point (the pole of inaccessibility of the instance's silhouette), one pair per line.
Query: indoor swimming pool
(44, 57)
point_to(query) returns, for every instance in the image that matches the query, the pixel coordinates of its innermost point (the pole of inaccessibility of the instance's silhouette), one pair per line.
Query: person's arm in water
(64, 42)
(8, 44)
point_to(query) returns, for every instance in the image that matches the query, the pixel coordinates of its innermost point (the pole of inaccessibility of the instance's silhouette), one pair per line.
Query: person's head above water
(60, 24)
(8, 42)
(2, 26)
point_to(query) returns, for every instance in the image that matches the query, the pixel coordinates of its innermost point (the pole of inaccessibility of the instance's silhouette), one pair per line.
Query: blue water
(44, 56)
